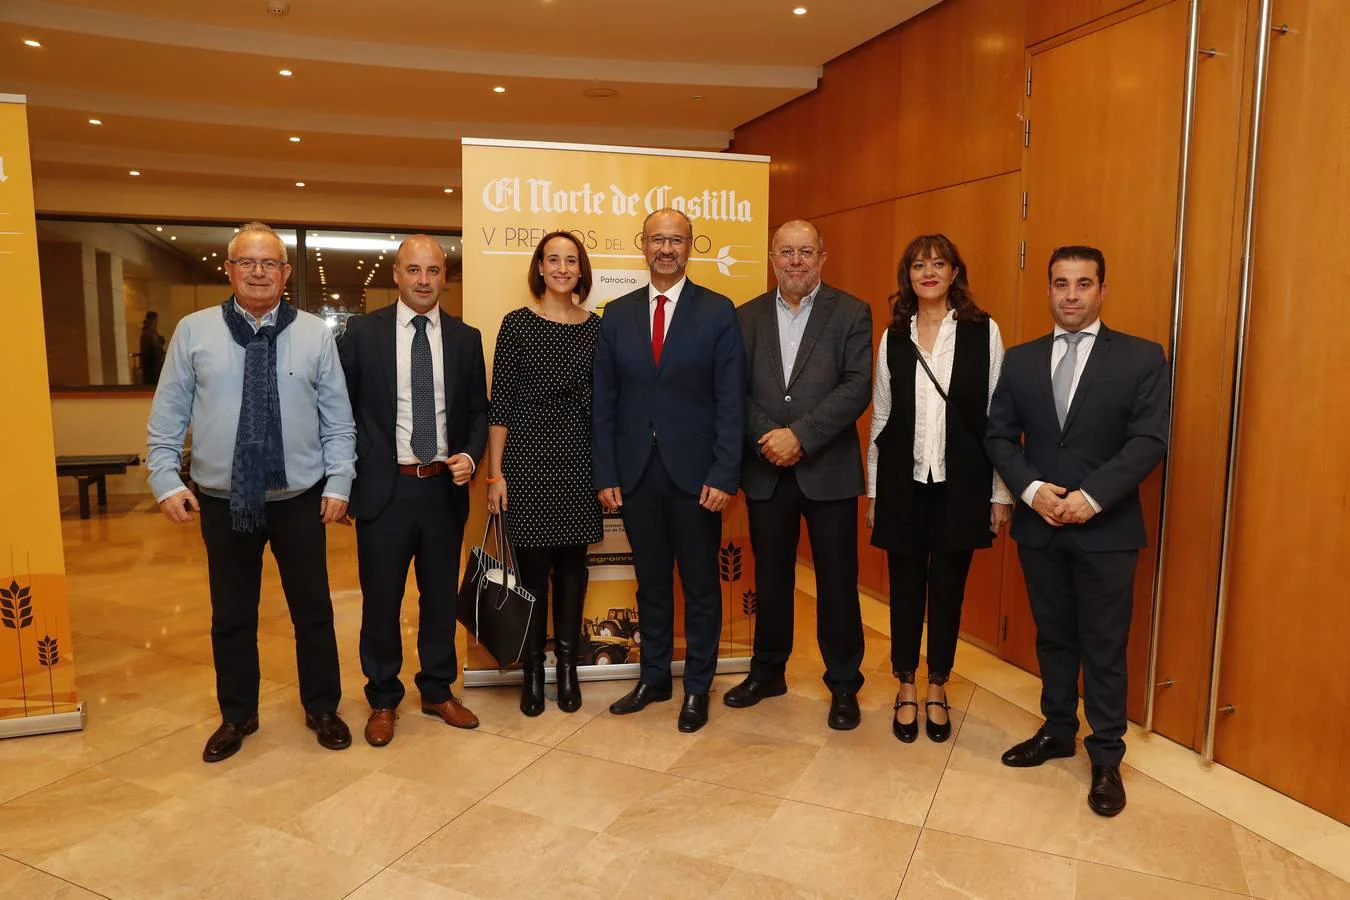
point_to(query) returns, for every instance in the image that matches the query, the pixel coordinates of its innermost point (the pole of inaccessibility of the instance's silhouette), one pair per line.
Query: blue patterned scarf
(259, 462)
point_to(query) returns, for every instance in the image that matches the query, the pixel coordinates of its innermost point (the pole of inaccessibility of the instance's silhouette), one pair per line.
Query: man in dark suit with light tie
(668, 423)
(809, 348)
(419, 392)
(1078, 421)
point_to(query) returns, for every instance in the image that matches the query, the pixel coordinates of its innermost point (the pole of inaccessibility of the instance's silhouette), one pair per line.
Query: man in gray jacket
(809, 348)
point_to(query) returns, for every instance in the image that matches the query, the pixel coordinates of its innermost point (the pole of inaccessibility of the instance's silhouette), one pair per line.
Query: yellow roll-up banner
(514, 194)
(37, 677)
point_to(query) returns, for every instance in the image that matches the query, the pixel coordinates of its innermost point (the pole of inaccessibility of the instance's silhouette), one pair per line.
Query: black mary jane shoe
(905, 732)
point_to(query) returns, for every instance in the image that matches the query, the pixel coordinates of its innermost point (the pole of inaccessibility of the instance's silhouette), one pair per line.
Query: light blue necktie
(1062, 379)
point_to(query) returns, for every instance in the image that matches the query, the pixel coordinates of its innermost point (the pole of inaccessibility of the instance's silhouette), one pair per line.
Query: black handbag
(493, 604)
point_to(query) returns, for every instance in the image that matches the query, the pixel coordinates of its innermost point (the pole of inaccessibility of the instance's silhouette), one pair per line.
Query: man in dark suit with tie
(419, 393)
(1078, 420)
(668, 423)
(809, 348)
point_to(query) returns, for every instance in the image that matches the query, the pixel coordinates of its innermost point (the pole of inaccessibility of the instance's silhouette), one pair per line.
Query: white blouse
(930, 411)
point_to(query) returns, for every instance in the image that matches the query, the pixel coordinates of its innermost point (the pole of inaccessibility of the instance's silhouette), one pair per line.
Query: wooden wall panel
(1288, 623)
(862, 252)
(962, 71)
(855, 141)
(982, 217)
(787, 135)
(1203, 377)
(1047, 18)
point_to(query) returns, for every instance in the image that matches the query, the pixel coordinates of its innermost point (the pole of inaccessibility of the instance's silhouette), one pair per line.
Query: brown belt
(429, 470)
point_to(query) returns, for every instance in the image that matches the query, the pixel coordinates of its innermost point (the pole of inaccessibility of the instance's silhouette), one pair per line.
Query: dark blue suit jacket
(1114, 436)
(692, 406)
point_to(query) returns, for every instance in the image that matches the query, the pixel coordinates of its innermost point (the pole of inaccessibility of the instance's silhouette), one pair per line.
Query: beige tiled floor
(765, 802)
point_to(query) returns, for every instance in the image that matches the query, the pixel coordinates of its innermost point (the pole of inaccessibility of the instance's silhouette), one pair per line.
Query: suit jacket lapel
(769, 325)
(679, 322)
(815, 324)
(1101, 345)
(1045, 353)
(643, 323)
(388, 350)
(450, 372)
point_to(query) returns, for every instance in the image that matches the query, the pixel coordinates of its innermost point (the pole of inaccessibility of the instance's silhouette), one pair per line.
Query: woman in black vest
(935, 498)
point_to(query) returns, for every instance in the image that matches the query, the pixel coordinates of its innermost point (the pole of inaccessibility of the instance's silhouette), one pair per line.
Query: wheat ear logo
(16, 612)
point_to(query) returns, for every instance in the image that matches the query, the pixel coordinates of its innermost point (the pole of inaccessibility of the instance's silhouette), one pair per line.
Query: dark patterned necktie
(423, 394)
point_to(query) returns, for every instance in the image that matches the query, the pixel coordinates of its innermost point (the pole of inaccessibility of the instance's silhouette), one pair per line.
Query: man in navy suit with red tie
(668, 423)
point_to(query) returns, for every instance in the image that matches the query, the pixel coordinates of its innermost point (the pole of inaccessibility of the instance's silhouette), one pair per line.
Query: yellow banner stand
(515, 192)
(37, 677)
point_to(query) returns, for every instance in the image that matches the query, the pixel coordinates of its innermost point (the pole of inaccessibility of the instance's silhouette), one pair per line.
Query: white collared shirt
(1057, 352)
(403, 421)
(268, 318)
(930, 410)
(792, 327)
(672, 297)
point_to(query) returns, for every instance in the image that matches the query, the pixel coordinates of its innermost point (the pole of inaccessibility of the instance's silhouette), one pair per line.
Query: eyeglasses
(806, 254)
(675, 241)
(269, 266)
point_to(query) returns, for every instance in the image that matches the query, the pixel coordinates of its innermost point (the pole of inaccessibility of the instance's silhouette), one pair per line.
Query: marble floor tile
(578, 790)
(491, 851)
(825, 849)
(743, 885)
(1274, 873)
(949, 866)
(695, 819)
(175, 850)
(610, 865)
(648, 739)
(470, 763)
(746, 761)
(392, 883)
(18, 880)
(1106, 883)
(36, 825)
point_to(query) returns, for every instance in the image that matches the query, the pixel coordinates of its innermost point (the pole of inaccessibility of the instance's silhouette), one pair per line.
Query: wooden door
(1288, 617)
(1101, 169)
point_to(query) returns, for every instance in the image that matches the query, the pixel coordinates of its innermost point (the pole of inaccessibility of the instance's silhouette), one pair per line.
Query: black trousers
(666, 527)
(832, 526)
(926, 574)
(536, 565)
(1082, 603)
(234, 562)
(419, 525)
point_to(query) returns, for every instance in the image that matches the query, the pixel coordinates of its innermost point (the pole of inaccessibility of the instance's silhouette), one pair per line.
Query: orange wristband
(491, 480)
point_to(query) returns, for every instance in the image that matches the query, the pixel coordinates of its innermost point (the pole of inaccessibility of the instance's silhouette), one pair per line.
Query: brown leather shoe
(452, 712)
(227, 739)
(380, 727)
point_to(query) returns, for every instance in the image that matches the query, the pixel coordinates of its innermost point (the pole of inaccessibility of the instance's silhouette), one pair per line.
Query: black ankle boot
(569, 596)
(532, 662)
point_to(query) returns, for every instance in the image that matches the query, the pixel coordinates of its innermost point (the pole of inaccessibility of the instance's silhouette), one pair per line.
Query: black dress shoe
(532, 689)
(694, 713)
(844, 712)
(1107, 797)
(637, 699)
(906, 732)
(752, 690)
(227, 739)
(1039, 749)
(333, 732)
(938, 732)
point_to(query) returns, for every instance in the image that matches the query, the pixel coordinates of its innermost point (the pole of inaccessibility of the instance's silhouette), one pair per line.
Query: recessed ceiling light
(285, 73)
(294, 139)
(95, 121)
(392, 238)
(449, 191)
(173, 237)
(299, 184)
(236, 231)
(213, 255)
(499, 90)
(32, 43)
(134, 172)
(799, 11)
(220, 269)
(203, 259)
(159, 227)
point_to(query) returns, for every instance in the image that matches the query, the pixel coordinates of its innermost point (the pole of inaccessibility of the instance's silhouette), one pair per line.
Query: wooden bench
(94, 470)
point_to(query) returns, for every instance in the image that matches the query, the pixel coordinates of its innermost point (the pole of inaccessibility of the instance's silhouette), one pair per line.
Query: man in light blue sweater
(273, 457)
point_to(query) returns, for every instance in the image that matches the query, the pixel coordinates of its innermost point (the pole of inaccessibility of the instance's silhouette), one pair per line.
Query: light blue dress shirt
(202, 385)
(791, 327)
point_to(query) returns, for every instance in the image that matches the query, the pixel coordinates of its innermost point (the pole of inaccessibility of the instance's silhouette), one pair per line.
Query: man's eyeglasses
(675, 241)
(806, 254)
(269, 266)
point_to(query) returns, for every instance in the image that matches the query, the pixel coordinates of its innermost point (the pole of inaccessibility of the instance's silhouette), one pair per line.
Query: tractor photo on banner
(517, 192)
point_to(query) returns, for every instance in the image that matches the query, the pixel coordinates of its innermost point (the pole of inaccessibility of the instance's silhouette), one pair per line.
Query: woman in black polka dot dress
(539, 454)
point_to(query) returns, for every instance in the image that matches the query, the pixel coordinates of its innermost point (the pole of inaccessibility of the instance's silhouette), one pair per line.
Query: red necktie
(659, 328)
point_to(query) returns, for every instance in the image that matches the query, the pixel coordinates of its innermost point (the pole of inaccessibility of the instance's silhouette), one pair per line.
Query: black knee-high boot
(569, 596)
(532, 662)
